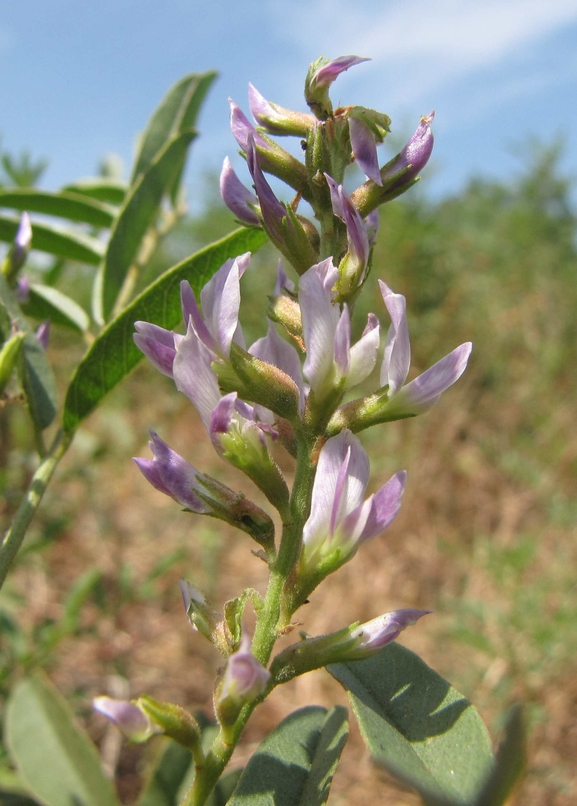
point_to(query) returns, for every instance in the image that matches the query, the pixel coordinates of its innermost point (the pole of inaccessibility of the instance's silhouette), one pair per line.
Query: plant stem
(15, 535)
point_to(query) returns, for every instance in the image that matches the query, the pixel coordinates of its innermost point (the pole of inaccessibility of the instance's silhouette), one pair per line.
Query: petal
(342, 343)
(330, 71)
(363, 354)
(319, 319)
(330, 490)
(397, 357)
(236, 196)
(241, 127)
(194, 377)
(157, 344)
(222, 414)
(385, 505)
(126, 716)
(336, 199)
(276, 351)
(271, 209)
(413, 156)
(424, 391)
(364, 149)
(178, 476)
(380, 631)
(220, 300)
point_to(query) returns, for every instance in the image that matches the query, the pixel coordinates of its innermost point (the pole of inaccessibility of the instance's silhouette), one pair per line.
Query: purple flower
(422, 393)
(129, 718)
(242, 128)
(43, 334)
(364, 147)
(237, 197)
(377, 633)
(272, 210)
(173, 476)
(158, 345)
(352, 268)
(245, 679)
(320, 76)
(276, 119)
(276, 351)
(218, 326)
(21, 245)
(340, 519)
(330, 358)
(22, 289)
(413, 157)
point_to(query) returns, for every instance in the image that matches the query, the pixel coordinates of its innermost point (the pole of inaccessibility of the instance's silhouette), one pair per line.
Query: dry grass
(438, 555)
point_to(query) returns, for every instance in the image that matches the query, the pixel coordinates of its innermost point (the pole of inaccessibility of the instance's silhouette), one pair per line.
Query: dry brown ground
(431, 557)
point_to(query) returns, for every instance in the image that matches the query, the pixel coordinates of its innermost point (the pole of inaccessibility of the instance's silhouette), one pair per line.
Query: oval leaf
(138, 213)
(46, 302)
(417, 726)
(65, 204)
(100, 188)
(55, 241)
(176, 113)
(294, 766)
(57, 761)
(114, 354)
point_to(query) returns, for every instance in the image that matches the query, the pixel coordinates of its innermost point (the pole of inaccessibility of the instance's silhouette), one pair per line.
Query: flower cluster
(290, 386)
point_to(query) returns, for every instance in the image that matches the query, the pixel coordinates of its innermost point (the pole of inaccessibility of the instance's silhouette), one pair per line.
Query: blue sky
(80, 79)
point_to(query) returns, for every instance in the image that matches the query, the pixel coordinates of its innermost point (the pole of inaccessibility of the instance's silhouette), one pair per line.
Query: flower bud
(320, 76)
(18, 252)
(351, 643)
(128, 717)
(43, 334)
(276, 119)
(9, 357)
(237, 197)
(400, 173)
(244, 680)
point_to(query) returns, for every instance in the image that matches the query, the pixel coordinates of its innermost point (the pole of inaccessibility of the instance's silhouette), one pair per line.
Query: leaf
(65, 204)
(294, 766)
(162, 788)
(46, 302)
(137, 215)
(36, 375)
(57, 761)
(55, 241)
(8, 798)
(100, 188)
(509, 764)
(176, 113)
(114, 354)
(417, 726)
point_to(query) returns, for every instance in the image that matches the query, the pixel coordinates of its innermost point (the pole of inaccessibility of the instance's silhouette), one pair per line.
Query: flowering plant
(292, 389)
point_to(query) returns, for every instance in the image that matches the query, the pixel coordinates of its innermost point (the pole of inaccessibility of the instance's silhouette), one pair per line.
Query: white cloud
(423, 43)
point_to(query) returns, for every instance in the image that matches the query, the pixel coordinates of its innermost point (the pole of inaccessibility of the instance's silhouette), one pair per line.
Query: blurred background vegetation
(486, 536)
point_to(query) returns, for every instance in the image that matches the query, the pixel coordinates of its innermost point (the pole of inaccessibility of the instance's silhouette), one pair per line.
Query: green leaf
(55, 241)
(417, 726)
(65, 204)
(36, 375)
(100, 188)
(509, 764)
(8, 798)
(166, 779)
(176, 113)
(137, 215)
(294, 766)
(114, 354)
(46, 302)
(57, 761)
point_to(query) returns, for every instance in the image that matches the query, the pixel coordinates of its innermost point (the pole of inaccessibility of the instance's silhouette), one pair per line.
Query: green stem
(15, 535)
